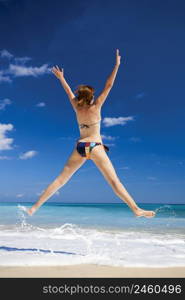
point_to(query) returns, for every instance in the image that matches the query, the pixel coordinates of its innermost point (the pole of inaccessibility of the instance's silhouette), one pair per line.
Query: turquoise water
(109, 234)
(112, 216)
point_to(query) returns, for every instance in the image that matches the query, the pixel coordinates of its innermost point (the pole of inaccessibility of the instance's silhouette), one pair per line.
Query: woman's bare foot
(144, 213)
(31, 210)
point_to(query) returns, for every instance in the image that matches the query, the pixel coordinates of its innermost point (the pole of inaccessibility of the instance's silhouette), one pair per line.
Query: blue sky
(142, 119)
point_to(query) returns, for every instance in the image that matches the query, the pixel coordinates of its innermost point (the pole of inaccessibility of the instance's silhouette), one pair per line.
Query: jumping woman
(89, 145)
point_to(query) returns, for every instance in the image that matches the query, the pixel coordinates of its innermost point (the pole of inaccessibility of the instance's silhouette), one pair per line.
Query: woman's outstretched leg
(102, 161)
(73, 164)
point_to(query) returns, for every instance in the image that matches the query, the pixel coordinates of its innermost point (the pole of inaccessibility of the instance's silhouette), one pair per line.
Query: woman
(89, 145)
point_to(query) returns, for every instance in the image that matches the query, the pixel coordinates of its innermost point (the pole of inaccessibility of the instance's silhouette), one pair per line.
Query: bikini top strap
(87, 126)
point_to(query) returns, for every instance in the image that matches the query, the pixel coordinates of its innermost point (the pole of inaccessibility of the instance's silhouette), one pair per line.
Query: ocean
(103, 234)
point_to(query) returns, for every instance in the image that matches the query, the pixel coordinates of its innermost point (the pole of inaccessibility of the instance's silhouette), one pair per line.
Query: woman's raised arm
(110, 81)
(60, 75)
(111, 78)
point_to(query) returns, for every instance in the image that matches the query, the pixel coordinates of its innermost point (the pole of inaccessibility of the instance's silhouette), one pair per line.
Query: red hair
(85, 94)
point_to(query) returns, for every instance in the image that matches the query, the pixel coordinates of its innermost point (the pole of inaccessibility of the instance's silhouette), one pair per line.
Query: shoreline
(90, 271)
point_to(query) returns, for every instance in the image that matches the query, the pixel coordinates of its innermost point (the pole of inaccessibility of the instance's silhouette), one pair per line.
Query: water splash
(166, 210)
(21, 207)
(22, 216)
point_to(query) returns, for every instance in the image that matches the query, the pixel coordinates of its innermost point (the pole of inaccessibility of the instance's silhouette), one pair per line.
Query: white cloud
(117, 121)
(17, 67)
(19, 70)
(28, 154)
(18, 60)
(19, 195)
(4, 157)
(6, 54)
(4, 103)
(135, 139)
(108, 137)
(41, 104)
(124, 168)
(22, 60)
(5, 143)
(4, 78)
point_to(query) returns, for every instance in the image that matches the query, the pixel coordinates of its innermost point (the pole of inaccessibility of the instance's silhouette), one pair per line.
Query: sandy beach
(45, 247)
(90, 271)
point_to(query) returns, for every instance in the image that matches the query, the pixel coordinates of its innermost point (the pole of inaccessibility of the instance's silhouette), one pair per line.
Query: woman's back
(89, 121)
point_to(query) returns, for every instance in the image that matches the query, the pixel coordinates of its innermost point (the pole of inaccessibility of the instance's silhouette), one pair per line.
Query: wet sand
(90, 271)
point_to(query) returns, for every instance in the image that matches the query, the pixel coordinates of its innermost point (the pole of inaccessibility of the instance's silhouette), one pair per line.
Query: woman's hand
(118, 57)
(58, 73)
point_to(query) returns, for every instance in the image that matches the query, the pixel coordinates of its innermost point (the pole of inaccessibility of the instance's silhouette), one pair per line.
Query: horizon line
(68, 203)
